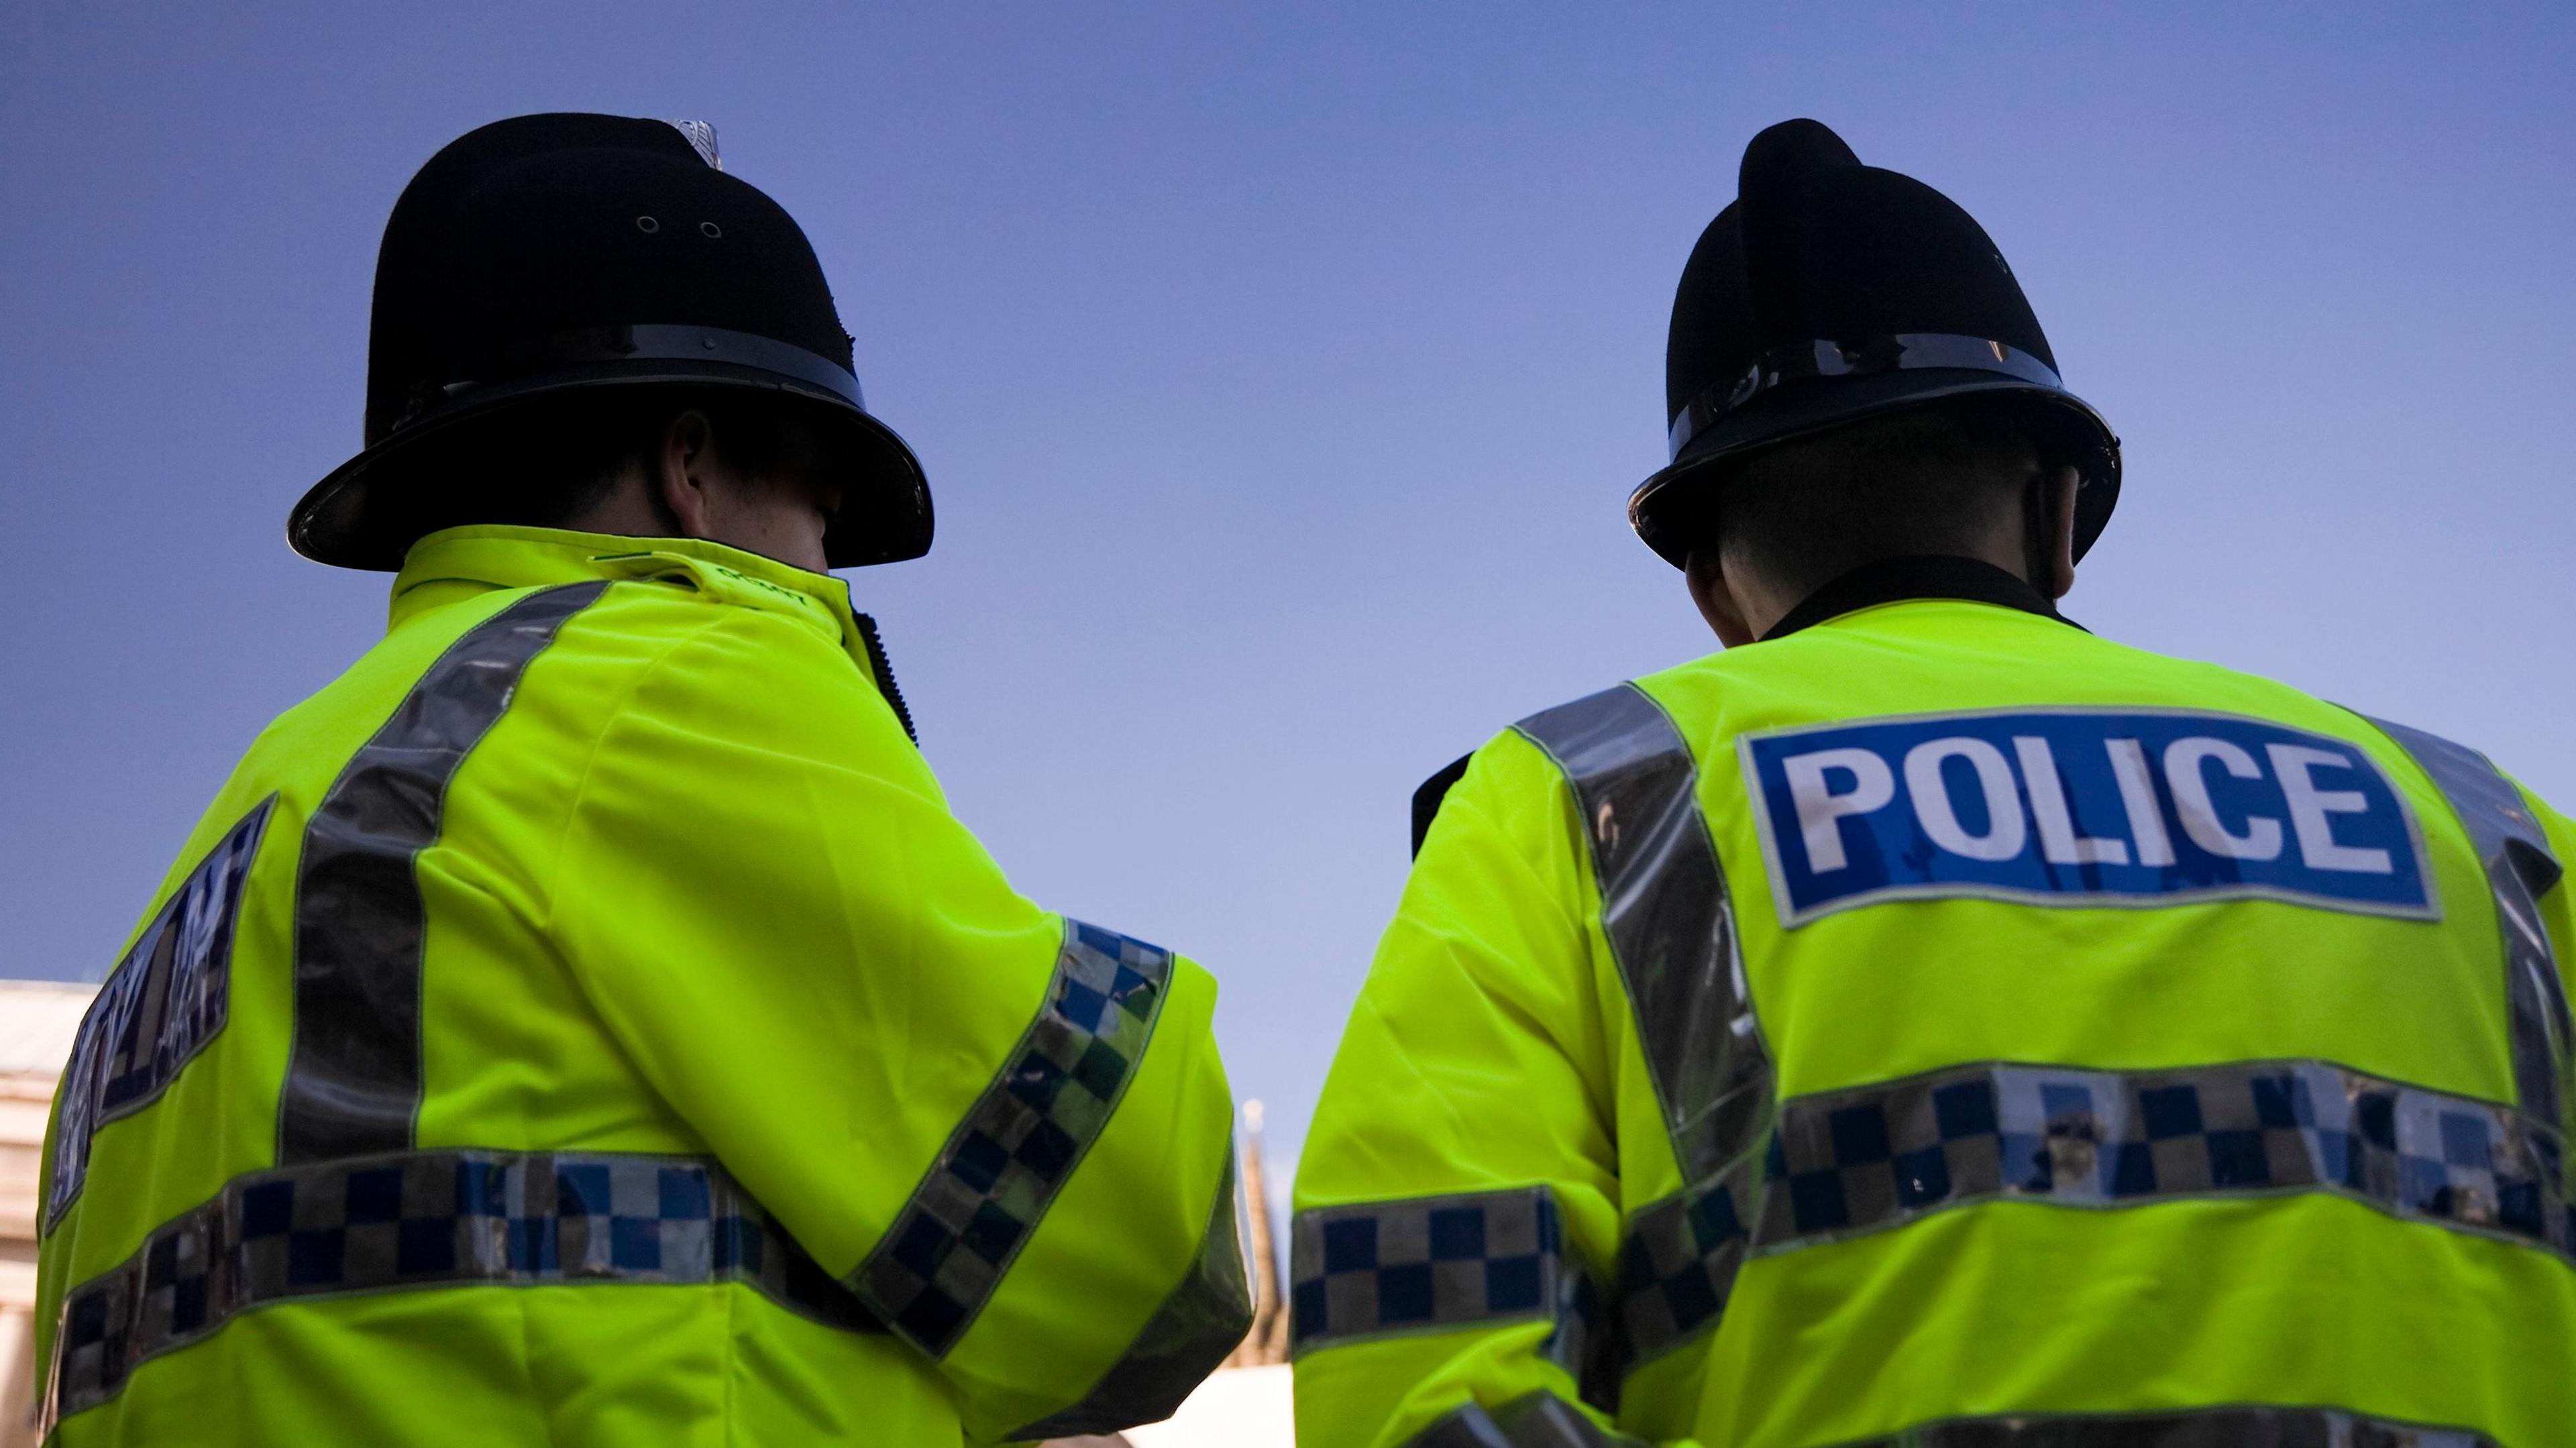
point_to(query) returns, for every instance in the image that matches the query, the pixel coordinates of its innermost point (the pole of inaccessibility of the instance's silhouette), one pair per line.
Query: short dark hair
(1943, 478)
(546, 464)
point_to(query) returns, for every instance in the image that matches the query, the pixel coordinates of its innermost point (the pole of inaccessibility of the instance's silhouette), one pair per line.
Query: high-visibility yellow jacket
(584, 1022)
(1939, 1025)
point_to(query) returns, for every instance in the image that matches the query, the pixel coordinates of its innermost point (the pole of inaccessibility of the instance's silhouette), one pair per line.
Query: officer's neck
(1743, 612)
(2028, 566)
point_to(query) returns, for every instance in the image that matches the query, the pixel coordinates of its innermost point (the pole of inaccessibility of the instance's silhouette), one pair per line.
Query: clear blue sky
(1281, 373)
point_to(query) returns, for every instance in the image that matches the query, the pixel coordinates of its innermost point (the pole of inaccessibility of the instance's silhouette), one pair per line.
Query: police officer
(583, 1021)
(1925, 1022)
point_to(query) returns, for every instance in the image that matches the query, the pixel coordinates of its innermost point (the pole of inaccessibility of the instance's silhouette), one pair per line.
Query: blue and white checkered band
(2200, 1428)
(422, 1219)
(1431, 1264)
(1895, 352)
(1851, 1161)
(1678, 1262)
(1878, 1156)
(939, 1263)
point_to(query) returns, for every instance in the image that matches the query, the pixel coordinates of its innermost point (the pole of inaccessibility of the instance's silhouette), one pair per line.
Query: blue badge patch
(2080, 807)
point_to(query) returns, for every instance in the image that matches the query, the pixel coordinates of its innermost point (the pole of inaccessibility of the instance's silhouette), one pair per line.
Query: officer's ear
(685, 473)
(1705, 571)
(2060, 536)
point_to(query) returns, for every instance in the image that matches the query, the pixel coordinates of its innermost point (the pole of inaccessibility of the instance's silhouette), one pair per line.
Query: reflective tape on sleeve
(1678, 1262)
(967, 1220)
(1436, 1264)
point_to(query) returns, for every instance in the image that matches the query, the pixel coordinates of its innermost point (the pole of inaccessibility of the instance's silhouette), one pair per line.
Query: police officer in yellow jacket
(1926, 1022)
(583, 1021)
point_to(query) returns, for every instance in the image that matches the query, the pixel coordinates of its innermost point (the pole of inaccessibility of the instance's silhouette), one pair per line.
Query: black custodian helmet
(1830, 291)
(552, 253)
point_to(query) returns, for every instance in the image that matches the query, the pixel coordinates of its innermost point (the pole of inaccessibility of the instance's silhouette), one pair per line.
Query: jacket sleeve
(1458, 1197)
(1008, 1133)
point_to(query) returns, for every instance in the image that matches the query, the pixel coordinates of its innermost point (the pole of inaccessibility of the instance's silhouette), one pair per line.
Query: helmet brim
(366, 513)
(1666, 507)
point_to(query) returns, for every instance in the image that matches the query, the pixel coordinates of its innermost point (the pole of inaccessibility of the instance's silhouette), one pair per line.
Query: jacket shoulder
(1516, 765)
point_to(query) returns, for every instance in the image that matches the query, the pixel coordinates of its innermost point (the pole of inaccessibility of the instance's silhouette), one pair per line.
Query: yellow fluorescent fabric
(693, 898)
(2021, 1307)
(1494, 1046)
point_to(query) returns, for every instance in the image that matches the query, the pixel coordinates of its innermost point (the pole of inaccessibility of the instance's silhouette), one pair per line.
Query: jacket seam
(617, 712)
(550, 879)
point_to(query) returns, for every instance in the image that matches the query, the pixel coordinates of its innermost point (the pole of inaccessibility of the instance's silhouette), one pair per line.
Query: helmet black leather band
(541, 363)
(1896, 352)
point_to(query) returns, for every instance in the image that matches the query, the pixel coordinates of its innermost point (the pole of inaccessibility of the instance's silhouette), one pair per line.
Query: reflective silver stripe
(2520, 869)
(1532, 1420)
(1187, 1338)
(2232, 1427)
(410, 1220)
(1433, 1264)
(1671, 927)
(1855, 1161)
(1669, 921)
(974, 1209)
(353, 1080)
(163, 1004)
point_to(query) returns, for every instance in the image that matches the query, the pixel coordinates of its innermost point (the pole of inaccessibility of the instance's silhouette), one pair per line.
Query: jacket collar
(460, 563)
(1894, 580)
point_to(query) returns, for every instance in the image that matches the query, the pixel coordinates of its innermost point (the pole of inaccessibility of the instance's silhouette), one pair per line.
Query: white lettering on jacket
(1820, 809)
(2058, 842)
(2185, 761)
(2138, 800)
(2310, 806)
(2063, 806)
(1932, 805)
